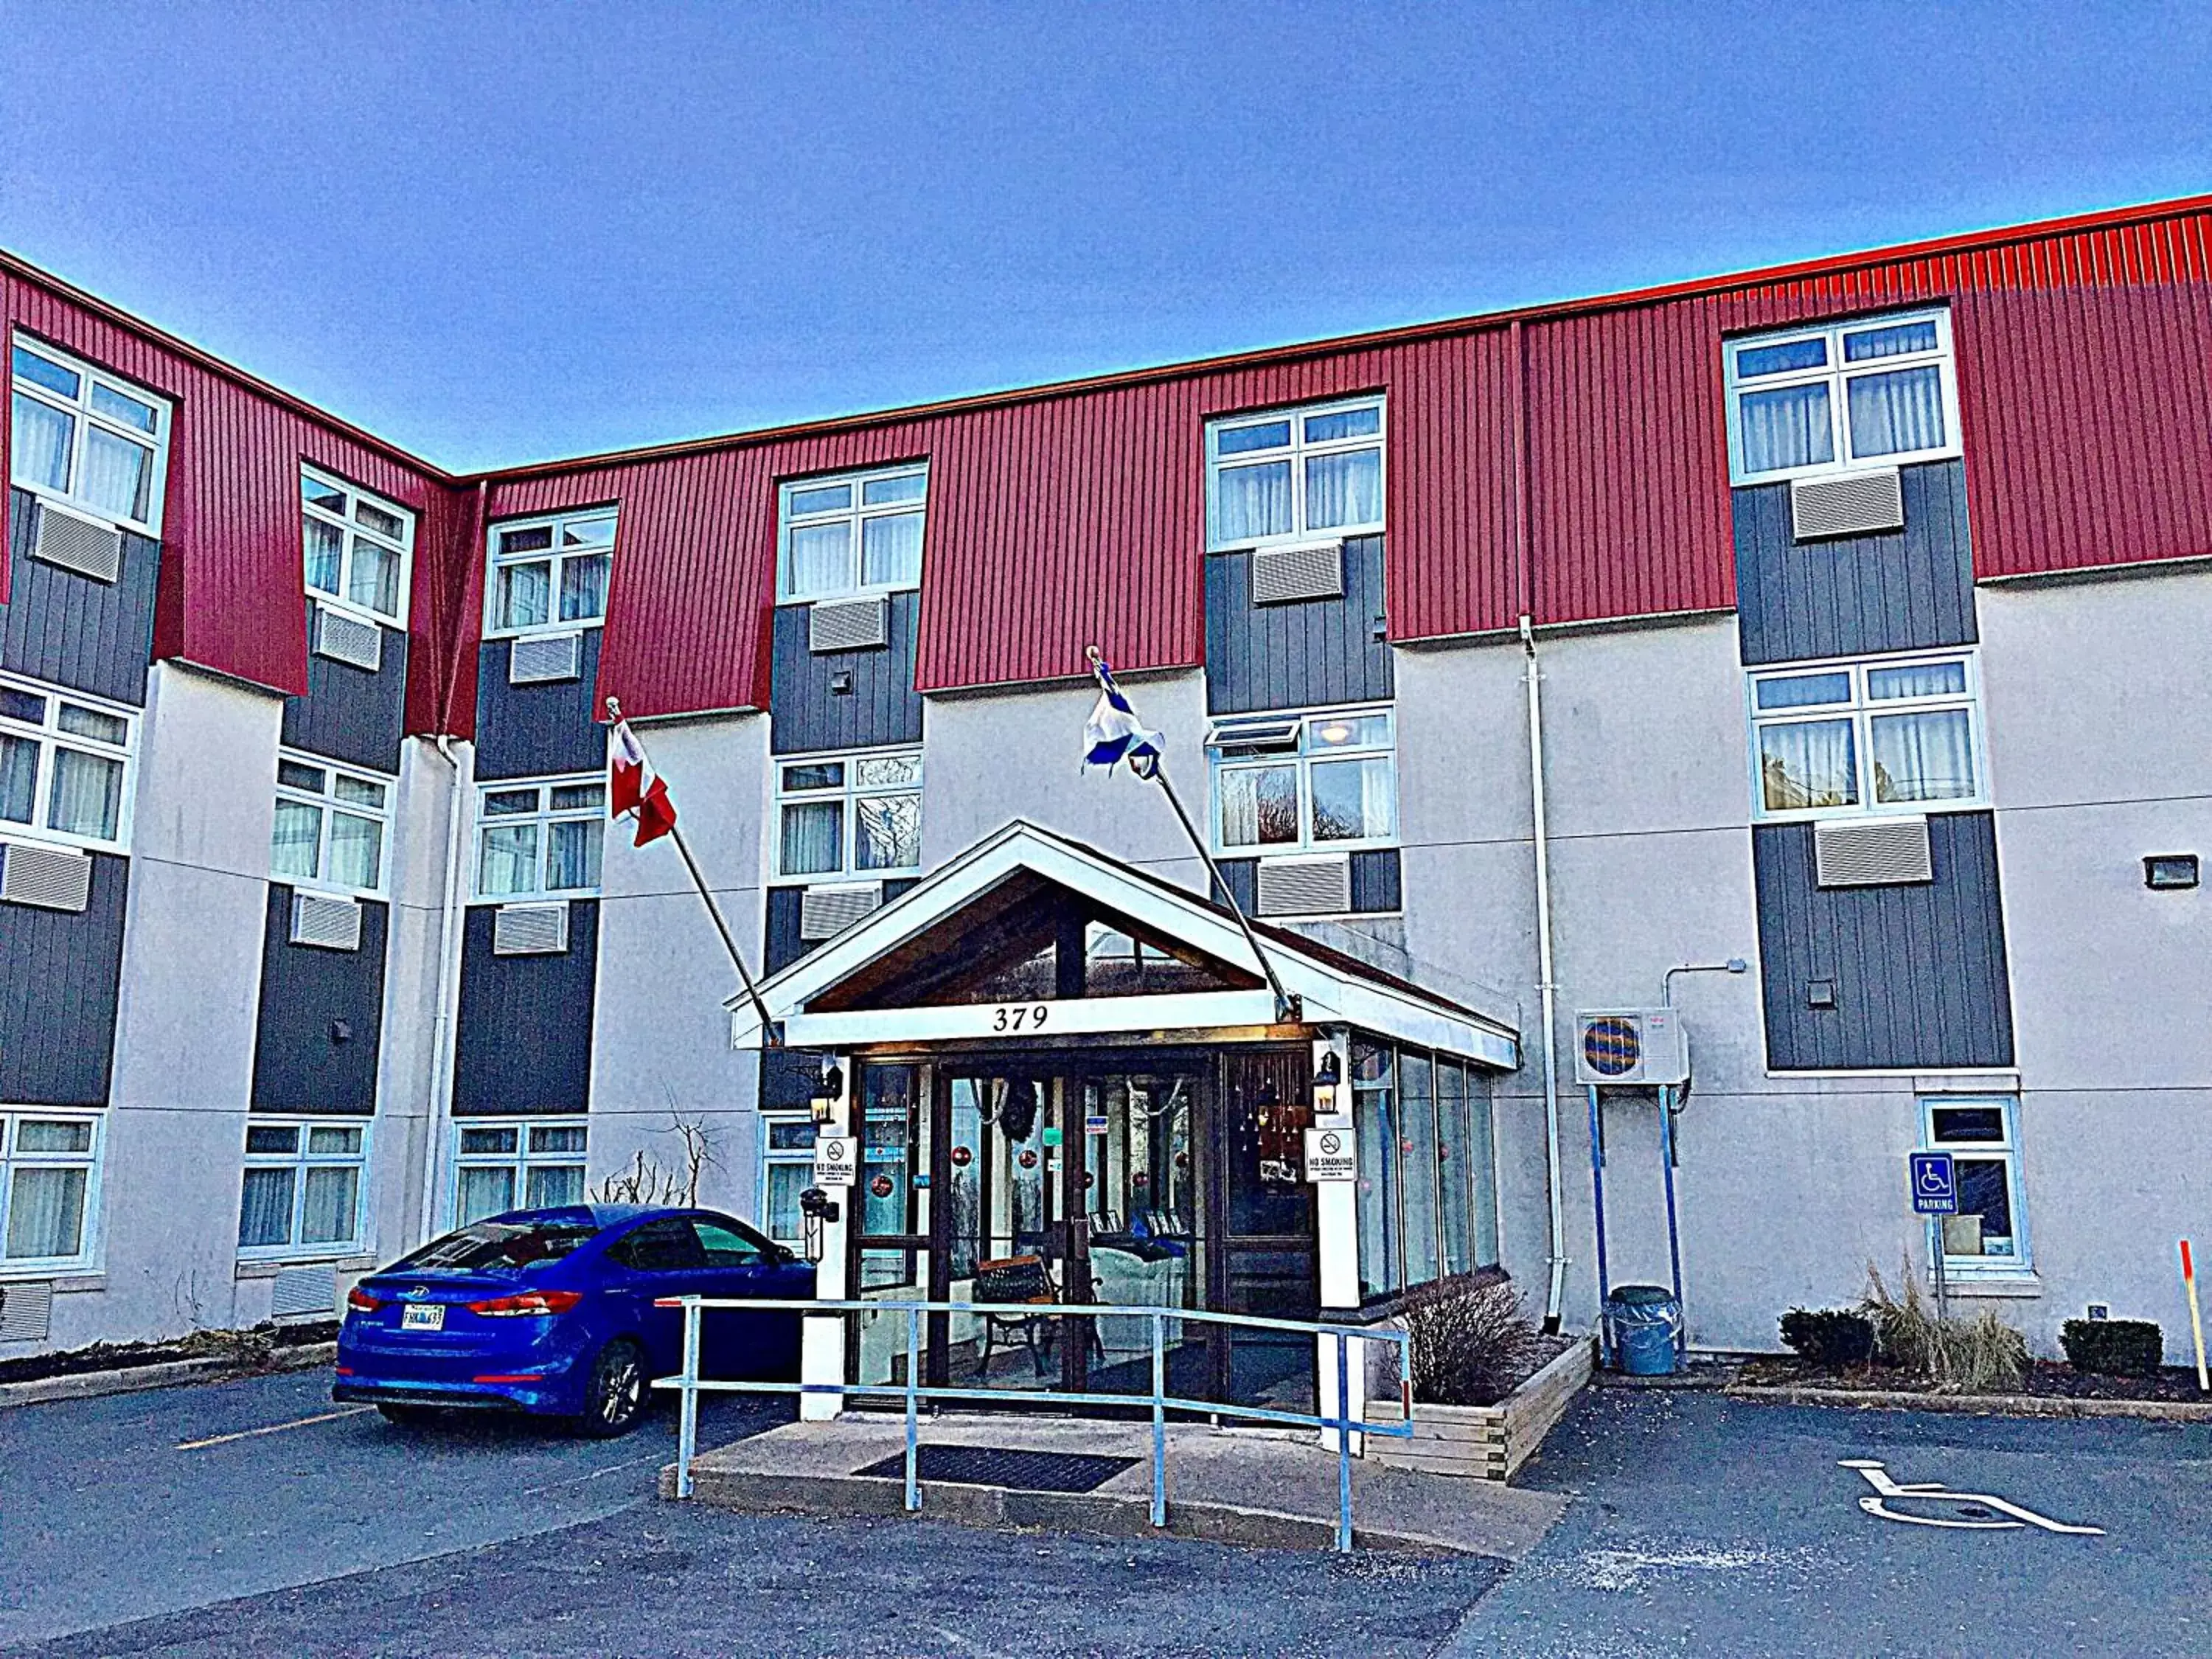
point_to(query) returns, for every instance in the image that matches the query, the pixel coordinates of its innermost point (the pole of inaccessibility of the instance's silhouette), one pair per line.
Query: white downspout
(449, 985)
(1546, 985)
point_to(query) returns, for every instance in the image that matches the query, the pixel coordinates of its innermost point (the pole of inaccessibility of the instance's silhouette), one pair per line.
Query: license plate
(422, 1317)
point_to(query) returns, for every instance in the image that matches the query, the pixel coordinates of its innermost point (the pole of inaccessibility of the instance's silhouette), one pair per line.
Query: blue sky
(495, 232)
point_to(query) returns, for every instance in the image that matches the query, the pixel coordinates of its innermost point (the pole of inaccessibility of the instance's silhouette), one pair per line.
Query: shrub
(2114, 1347)
(1832, 1338)
(1471, 1344)
(1980, 1355)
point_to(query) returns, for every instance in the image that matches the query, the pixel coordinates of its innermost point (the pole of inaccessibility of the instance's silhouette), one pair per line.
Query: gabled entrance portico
(1066, 1073)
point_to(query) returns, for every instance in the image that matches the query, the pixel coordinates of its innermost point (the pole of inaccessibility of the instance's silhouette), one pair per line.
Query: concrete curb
(131, 1379)
(1983, 1405)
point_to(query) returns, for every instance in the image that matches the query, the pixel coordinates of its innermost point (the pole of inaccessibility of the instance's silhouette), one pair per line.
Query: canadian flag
(635, 791)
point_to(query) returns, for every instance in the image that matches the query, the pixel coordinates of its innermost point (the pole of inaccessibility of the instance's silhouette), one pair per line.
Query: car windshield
(511, 1244)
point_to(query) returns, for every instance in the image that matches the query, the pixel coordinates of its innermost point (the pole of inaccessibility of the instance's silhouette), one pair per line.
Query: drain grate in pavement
(1022, 1471)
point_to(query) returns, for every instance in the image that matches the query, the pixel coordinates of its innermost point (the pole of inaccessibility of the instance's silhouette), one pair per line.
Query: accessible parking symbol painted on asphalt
(1972, 1512)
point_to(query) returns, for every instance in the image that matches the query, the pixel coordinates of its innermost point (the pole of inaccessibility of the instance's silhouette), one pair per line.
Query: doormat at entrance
(1021, 1471)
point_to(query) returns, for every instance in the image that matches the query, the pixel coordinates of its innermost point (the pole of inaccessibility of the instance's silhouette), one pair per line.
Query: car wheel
(615, 1398)
(408, 1416)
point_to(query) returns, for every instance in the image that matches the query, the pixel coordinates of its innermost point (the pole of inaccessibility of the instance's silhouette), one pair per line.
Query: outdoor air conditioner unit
(530, 930)
(327, 923)
(544, 658)
(84, 546)
(49, 878)
(848, 624)
(27, 1309)
(1856, 504)
(1318, 887)
(826, 912)
(1282, 575)
(1879, 852)
(1621, 1046)
(304, 1292)
(348, 638)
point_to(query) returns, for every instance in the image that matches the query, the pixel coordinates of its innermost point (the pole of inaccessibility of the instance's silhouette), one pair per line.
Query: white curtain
(46, 1213)
(813, 838)
(583, 587)
(821, 559)
(326, 554)
(297, 837)
(119, 474)
(525, 593)
(554, 1184)
(1787, 427)
(1928, 679)
(86, 796)
(1344, 488)
(572, 858)
(1809, 763)
(266, 1215)
(1252, 501)
(510, 858)
(1259, 806)
(356, 849)
(480, 1193)
(890, 549)
(19, 778)
(1897, 413)
(328, 1208)
(39, 442)
(1353, 798)
(1927, 757)
(374, 580)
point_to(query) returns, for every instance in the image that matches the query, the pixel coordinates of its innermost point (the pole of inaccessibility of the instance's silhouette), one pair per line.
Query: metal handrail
(690, 1384)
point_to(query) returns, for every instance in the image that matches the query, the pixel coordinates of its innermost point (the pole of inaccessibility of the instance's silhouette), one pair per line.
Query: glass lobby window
(1419, 1156)
(857, 533)
(1288, 783)
(526, 1165)
(1809, 401)
(1375, 1137)
(331, 826)
(64, 766)
(540, 840)
(849, 815)
(1887, 734)
(302, 1191)
(1295, 473)
(1988, 1235)
(357, 547)
(80, 436)
(787, 1170)
(549, 575)
(49, 1178)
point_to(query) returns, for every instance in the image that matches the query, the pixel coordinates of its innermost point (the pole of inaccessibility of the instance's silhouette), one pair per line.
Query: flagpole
(771, 1035)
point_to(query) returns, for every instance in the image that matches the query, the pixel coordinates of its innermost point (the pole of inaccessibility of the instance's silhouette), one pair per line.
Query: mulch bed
(2047, 1379)
(249, 1350)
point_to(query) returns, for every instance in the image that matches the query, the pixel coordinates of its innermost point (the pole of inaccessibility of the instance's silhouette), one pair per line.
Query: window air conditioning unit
(327, 923)
(1856, 504)
(544, 658)
(1871, 852)
(348, 638)
(306, 1292)
(530, 930)
(826, 912)
(26, 1311)
(848, 624)
(49, 878)
(84, 546)
(1281, 575)
(1631, 1046)
(1318, 887)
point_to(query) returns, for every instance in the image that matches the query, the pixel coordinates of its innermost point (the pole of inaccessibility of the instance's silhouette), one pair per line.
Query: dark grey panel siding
(780, 944)
(790, 1079)
(1302, 655)
(537, 730)
(68, 630)
(1917, 971)
(881, 708)
(58, 978)
(1375, 889)
(1902, 591)
(350, 714)
(1241, 878)
(300, 1063)
(526, 1022)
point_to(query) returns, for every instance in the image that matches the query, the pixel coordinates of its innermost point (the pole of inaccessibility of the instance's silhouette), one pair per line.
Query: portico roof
(893, 979)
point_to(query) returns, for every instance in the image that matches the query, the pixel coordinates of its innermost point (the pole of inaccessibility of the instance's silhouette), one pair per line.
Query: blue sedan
(553, 1311)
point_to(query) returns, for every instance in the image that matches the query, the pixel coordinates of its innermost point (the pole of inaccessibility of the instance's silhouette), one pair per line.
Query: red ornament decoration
(881, 1186)
(1028, 1160)
(962, 1157)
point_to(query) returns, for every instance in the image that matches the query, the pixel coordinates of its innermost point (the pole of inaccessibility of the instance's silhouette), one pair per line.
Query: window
(849, 816)
(80, 436)
(49, 1185)
(1374, 1140)
(1875, 391)
(1889, 735)
(1293, 474)
(549, 575)
(540, 840)
(860, 533)
(725, 1248)
(303, 1188)
(498, 1167)
(787, 1170)
(1428, 1177)
(64, 766)
(1988, 1235)
(331, 826)
(357, 547)
(1285, 783)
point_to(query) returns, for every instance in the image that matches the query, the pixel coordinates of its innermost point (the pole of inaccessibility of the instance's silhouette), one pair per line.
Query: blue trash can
(1645, 1319)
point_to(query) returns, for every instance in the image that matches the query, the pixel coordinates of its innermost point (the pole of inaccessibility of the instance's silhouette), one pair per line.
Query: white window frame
(92, 1160)
(1296, 453)
(856, 515)
(347, 521)
(2021, 1264)
(773, 1156)
(849, 793)
(1862, 712)
(1836, 374)
(87, 419)
(555, 556)
(301, 1160)
(520, 1161)
(49, 736)
(544, 814)
(329, 806)
(1230, 729)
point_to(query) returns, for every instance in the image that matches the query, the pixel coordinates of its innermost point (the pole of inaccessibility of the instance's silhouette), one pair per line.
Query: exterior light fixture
(1327, 1076)
(829, 1092)
(2166, 872)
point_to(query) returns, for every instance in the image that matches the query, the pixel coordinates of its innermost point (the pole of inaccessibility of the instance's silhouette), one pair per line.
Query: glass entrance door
(1267, 1260)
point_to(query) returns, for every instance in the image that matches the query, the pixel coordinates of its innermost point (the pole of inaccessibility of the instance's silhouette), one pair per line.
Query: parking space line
(273, 1428)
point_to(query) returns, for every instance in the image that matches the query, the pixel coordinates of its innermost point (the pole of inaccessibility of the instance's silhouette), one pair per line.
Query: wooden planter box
(1488, 1442)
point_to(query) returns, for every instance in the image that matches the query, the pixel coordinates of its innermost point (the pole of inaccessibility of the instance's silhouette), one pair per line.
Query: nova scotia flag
(1113, 733)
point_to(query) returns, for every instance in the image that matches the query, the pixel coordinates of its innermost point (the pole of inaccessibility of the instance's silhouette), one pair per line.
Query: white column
(1336, 1222)
(822, 1344)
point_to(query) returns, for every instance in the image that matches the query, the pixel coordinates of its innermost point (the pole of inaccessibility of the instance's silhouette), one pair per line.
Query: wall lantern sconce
(829, 1093)
(1327, 1076)
(2167, 872)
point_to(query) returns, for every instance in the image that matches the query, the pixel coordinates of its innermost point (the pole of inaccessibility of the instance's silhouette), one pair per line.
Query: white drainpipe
(1545, 986)
(449, 983)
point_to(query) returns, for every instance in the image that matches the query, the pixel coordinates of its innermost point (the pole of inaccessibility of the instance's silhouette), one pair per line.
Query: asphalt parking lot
(249, 1518)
